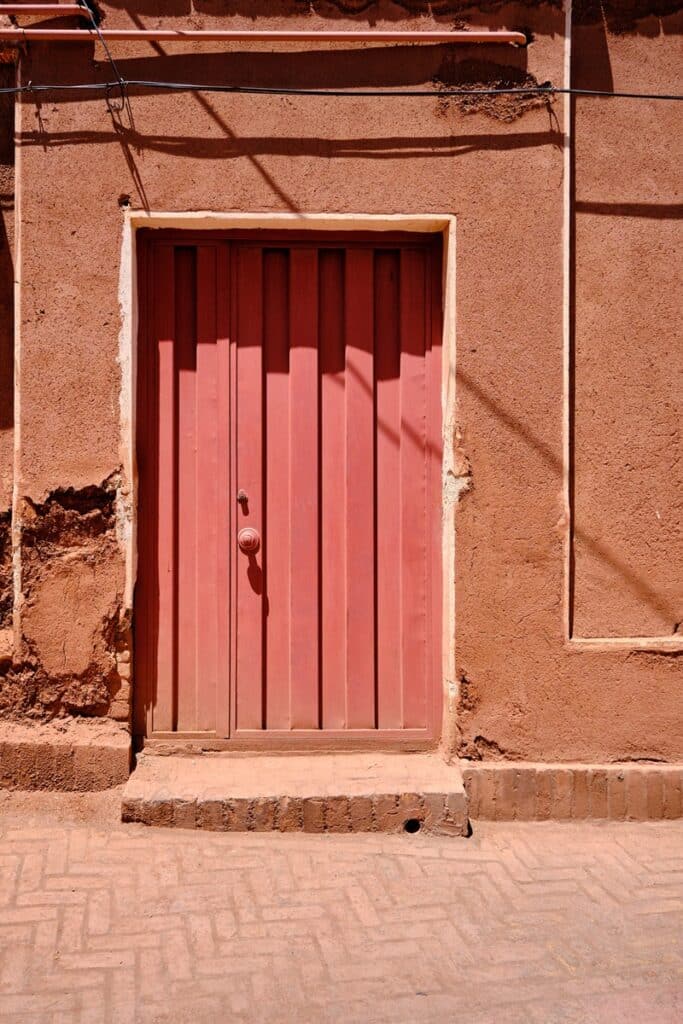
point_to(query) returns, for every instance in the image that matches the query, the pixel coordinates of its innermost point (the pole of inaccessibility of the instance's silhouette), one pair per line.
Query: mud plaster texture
(74, 636)
(525, 692)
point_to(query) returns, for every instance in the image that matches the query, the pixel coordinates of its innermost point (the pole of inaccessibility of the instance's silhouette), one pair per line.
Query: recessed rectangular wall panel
(627, 395)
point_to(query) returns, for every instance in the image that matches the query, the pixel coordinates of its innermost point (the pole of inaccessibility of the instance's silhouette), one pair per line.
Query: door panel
(248, 623)
(289, 387)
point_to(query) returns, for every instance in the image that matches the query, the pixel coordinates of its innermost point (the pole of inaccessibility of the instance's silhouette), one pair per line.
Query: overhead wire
(87, 9)
(546, 89)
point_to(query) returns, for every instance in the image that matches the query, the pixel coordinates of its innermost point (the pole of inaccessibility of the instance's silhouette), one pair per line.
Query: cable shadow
(230, 136)
(635, 582)
(235, 146)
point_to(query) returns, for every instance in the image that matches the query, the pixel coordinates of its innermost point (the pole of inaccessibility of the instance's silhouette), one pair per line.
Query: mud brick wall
(545, 672)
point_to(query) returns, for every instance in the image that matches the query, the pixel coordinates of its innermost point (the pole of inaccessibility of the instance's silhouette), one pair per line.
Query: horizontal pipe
(46, 10)
(169, 35)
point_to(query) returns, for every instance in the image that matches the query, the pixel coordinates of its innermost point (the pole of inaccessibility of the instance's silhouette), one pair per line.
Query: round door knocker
(249, 540)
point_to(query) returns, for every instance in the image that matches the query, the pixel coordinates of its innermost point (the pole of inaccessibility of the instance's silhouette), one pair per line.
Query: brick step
(298, 793)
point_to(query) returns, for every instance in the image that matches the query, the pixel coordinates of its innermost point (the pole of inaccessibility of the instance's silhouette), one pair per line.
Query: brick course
(67, 755)
(537, 792)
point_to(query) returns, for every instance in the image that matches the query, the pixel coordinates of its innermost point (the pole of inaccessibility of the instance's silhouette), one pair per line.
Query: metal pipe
(46, 10)
(169, 35)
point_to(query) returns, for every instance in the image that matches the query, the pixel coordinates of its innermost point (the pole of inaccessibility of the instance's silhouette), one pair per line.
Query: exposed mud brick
(562, 793)
(655, 794)
(636, 796)
(581, 795)
(161, 812)
(361, 817)
(290, 814)
(387, 814)
(211, 815)
(598, 792)
(544, 795)
(119, 710)
(616, 796)
(134, 810)
(184, 813)
(505, 794)
(486, 794)
(434, 808)
(410, 806)
(525, 795)
(314, 816)
(673, 794)
(238, 815)
(455, 820)
(263, 815)
(337, 814)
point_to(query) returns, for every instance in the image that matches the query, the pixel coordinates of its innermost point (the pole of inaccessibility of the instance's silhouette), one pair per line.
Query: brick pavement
(532, 923)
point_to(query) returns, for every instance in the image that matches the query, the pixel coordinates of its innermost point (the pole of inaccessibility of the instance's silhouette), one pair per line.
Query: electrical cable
(127, 83)
(119, 78)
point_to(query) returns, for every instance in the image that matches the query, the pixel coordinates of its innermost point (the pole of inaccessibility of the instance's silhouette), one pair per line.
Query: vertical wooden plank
(187, 536)
(277, 504)
(163, 713)
(226, 504)
(303, 435)
(249, 452)
(207, 564)
(388, 411)
(146, 611)
(360, 490)
(413, 488)
(433, 370)
(332, 489)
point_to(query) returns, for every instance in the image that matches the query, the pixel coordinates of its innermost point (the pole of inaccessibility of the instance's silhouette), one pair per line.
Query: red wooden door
(289, 459)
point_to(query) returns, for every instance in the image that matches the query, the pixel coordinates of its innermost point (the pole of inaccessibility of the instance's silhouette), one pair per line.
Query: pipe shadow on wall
(367, 67)
(376, 67)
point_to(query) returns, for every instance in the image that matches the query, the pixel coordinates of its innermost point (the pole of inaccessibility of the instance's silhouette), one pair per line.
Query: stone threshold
(366, 792)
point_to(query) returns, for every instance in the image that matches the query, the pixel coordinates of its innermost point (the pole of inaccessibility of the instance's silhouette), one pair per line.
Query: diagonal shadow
(637, 583)
(230, 135)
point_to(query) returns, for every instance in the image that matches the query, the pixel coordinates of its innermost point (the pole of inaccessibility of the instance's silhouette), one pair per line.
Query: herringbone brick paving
(529, 923)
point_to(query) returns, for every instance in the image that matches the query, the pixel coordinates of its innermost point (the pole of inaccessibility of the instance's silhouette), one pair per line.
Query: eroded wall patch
(73, 654)
(6, 583)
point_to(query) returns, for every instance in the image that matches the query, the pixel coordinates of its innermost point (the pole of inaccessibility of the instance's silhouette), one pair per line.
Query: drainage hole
(412, 825)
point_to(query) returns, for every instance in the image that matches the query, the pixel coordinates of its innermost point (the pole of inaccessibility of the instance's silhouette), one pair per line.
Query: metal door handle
(249, 540)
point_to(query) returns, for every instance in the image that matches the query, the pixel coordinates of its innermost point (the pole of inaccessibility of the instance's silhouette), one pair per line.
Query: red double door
(289, 466)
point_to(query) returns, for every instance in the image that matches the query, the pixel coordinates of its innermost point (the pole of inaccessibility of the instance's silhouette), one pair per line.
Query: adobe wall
(524, 688)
